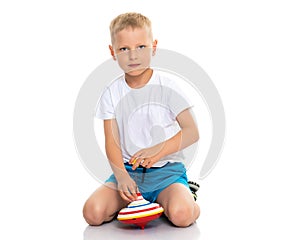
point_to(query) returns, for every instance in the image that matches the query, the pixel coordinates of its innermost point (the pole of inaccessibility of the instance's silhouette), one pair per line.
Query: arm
(184, 138)
(126, 185)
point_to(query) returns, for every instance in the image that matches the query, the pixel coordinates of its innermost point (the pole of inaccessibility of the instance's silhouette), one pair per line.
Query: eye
(141, 46)
(124, 49)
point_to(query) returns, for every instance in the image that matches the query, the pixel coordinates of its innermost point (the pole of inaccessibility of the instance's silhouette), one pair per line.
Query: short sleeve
(177, 100)
(105, 109)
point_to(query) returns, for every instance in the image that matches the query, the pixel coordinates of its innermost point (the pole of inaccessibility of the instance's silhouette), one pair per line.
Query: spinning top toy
(140, 212)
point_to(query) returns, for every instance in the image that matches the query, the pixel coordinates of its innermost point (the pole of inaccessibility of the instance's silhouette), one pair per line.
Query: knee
(182, 216)
(93, 213)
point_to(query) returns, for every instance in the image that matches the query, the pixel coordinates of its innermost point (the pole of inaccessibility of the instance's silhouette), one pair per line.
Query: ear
(112, 53)
(154, 45)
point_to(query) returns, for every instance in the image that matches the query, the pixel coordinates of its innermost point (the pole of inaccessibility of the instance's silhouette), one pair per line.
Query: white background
(251, 51)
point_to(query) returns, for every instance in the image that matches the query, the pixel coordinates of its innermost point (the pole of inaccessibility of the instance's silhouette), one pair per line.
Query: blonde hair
(131, 19)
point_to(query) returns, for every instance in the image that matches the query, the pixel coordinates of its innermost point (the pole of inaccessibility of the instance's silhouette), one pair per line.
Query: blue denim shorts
(153, 180)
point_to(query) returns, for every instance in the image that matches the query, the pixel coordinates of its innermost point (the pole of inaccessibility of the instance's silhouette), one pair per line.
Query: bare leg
(179, 205)
(103, 204)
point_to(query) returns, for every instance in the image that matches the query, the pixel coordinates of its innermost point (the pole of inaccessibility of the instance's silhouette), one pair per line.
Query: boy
(146, 124)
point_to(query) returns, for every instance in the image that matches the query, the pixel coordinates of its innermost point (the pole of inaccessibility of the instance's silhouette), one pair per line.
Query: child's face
(132, 49)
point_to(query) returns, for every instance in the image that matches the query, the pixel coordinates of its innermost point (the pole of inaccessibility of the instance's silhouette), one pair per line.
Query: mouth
(134, 65)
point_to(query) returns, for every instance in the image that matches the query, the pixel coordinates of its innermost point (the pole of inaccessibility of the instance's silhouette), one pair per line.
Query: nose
(132, 54)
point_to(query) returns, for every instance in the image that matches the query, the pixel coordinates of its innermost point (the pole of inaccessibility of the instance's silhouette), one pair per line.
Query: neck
(139, 80)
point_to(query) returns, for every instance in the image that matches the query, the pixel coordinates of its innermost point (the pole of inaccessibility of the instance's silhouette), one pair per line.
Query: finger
(132, 196)
(144, 163)
(135, 156)
(124, 196)
(124, 192)
(137, 163)
(133, 160)
(133, 191)
(128, 195)
(149, 164)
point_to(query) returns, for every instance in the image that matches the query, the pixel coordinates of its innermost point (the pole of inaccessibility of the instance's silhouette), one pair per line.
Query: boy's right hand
(127, 188)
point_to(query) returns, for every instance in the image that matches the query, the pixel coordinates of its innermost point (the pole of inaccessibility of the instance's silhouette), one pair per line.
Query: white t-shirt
(145, 116)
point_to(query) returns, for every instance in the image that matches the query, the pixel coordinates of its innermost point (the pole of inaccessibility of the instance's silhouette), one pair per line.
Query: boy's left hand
(146, 157)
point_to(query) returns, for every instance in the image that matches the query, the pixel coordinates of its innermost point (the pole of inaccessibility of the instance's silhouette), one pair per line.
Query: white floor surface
(157, 229)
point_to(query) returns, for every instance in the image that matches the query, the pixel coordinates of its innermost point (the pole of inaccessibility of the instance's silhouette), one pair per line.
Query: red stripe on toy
(138, 211)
